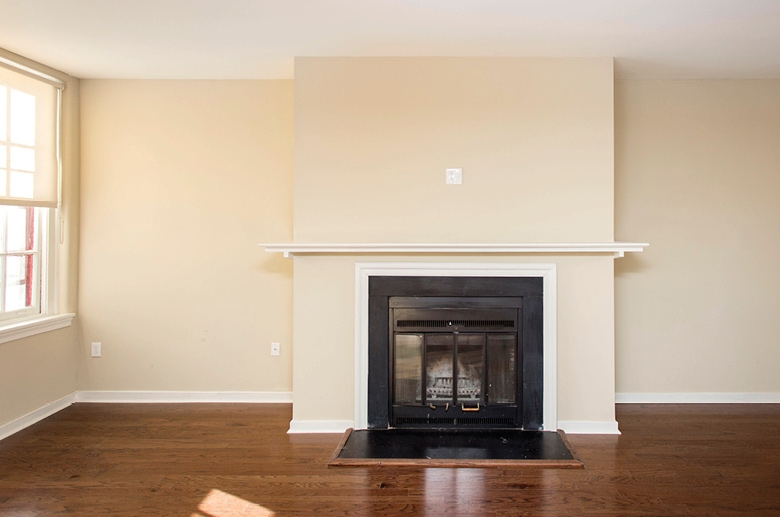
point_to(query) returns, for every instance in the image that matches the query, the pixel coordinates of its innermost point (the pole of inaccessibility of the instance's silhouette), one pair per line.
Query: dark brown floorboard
(226, 460)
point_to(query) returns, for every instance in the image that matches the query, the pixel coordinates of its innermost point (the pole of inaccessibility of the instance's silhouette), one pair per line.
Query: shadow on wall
(273, 263)
(630, 264)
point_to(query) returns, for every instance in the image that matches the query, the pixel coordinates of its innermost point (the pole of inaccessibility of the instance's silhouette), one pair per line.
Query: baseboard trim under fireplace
(455, 345)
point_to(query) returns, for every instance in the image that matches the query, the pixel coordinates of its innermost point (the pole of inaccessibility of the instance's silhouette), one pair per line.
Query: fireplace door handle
(464, 408)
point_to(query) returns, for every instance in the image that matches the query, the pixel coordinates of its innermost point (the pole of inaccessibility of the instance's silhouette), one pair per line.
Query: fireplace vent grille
(453, 323)
(402, 421)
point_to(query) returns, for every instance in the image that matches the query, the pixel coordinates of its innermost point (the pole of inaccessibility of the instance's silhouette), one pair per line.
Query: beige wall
(39, 370)
(373, 137)
(36, 371)
(181, 180)
(698, 176)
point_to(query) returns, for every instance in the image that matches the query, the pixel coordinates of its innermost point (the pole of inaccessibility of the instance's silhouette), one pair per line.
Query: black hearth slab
(455, 448)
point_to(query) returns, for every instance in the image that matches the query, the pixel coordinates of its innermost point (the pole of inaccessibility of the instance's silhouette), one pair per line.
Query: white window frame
(31, 324)
(45, 317)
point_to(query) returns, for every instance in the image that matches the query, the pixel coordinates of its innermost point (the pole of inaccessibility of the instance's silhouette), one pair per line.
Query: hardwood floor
(226, 460)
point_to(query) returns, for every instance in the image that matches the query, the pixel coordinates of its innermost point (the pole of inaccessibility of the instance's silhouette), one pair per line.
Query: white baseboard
(36, 416)
(697, 398)
(588, 427)
(339, 426)
(177, 397)
(319, 426)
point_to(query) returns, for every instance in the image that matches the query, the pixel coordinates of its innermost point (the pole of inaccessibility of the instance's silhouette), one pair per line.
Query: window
(29, 191)
(23, 247)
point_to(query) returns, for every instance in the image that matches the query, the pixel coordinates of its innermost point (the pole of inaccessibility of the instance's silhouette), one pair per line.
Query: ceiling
(257, 39)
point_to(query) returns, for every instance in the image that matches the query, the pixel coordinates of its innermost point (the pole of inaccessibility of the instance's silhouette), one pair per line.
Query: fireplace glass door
(454, 366)
(501, 372)
(408, 369)
(449, 369)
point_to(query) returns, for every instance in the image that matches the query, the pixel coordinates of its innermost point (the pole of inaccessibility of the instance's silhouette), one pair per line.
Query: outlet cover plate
(454, 176)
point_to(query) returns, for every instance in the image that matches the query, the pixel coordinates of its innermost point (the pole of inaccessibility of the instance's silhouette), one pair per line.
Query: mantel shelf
(617, 249)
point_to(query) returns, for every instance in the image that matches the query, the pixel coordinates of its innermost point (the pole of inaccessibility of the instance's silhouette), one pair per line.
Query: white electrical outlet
(454, 176)
(276, 349)
(97, 349)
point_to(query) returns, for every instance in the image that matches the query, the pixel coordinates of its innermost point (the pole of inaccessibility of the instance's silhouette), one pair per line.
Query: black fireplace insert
(455, 352)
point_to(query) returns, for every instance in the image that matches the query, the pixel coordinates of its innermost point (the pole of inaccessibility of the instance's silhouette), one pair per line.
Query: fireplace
(455, 362)
(455, 352)
(578, 386)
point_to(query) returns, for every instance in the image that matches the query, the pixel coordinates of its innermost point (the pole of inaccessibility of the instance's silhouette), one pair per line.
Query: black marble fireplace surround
(524, 294)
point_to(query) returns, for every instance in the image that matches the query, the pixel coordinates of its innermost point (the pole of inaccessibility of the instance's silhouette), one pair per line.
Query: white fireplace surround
(365, 270)
(547, 271)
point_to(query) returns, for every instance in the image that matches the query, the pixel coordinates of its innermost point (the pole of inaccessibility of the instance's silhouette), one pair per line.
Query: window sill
(35, 326)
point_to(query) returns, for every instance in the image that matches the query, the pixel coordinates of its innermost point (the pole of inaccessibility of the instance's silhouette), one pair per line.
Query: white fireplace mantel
(617, 249)
(546, 269)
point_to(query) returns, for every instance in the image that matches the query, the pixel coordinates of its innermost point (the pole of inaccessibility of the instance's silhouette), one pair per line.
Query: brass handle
(464, 408)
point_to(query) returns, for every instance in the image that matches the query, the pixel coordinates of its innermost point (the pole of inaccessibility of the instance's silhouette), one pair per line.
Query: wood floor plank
(212, 459)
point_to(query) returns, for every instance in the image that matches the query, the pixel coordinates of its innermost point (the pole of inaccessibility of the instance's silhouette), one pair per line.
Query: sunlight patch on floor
(221, 504)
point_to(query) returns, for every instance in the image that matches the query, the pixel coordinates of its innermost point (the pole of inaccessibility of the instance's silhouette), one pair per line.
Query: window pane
(408, 368)
(3, 112)
(22, 116)
(19, 236)
(17, 229)
(21, 184)
(3, 164)
(15, 283)
(23, 158)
